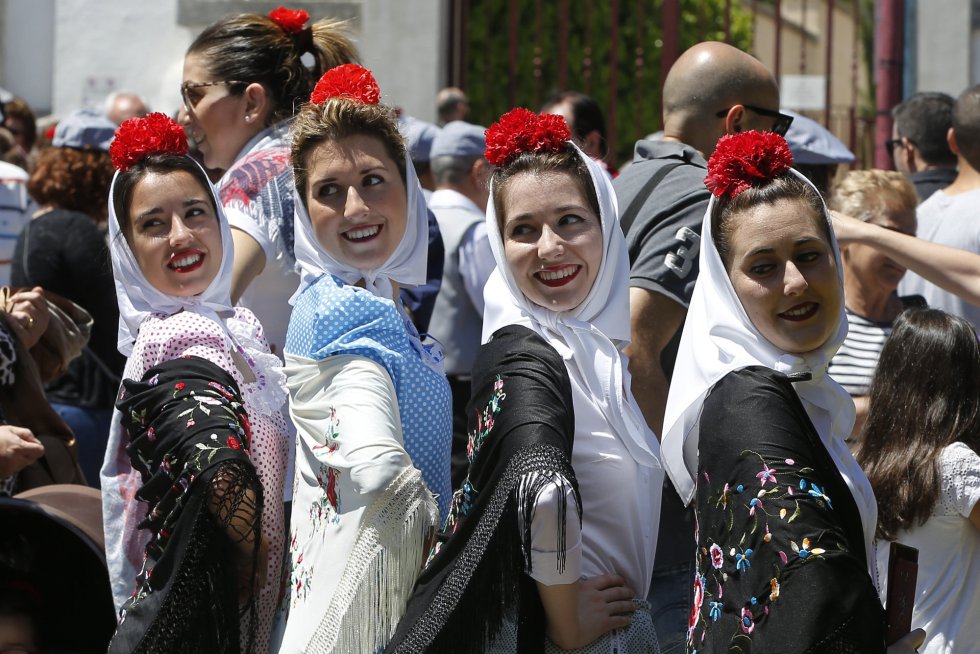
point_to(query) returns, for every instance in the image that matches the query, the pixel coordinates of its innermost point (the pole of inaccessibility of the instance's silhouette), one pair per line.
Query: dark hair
(537, 163)
(784, 187)
(966, 125)
(925, 395)
(18, 108)
(122, 191)
(251, 48)
(73, 179)
(925, 119)
(338, 118)
(587, 116)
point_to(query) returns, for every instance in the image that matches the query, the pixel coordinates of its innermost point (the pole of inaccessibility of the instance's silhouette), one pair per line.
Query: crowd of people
(347, 381)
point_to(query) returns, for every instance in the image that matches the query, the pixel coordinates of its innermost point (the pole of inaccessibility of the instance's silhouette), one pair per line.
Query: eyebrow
(768, 250)
(363, 171)
(554, 210)
(155, 210)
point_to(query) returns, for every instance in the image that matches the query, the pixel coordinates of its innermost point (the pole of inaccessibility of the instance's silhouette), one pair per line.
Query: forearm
(649, 386)
(952, 269)
(249, 263)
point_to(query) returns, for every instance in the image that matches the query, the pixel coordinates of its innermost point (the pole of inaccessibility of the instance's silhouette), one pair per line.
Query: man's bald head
(708, 78)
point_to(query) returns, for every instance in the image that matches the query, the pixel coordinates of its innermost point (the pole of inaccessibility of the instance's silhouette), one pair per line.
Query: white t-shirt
(947, 591)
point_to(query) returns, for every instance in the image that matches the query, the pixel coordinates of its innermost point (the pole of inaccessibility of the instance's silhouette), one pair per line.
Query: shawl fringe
(390, 549)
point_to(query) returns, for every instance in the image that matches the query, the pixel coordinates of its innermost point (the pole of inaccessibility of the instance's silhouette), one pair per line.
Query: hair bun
(138, 138)
(746, 159)
(521, 130)
(349, 81)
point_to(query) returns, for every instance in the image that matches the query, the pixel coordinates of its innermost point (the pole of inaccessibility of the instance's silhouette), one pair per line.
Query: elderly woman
(367, 394)
(886, 199)
(754, 430)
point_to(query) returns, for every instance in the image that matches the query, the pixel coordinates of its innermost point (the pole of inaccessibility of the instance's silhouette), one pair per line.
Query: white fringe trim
(380, 574)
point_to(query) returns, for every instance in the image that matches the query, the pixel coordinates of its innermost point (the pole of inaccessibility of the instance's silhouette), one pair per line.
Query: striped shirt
(854, 364)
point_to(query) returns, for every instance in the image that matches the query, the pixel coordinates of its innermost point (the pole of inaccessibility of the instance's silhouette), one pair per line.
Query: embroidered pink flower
(767, 474)
(747, 622)
(717, 556)
(151, 435)
(698, 600)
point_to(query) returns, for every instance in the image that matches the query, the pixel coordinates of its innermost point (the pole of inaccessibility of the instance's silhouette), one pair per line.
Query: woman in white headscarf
(368, 397)
(754, 430)
(172, 260)
(554, 528)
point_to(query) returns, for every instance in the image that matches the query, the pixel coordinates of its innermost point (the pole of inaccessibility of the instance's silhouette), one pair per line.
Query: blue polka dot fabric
(331, 317)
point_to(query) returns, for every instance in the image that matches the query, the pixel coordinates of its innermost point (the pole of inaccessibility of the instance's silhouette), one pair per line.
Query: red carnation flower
(291, 21)
(521, 130)
(138, 138)
(347, 81)
(743, 160)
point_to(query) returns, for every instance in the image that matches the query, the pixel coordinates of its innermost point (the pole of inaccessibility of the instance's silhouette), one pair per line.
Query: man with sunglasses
(919, 145)
(713, 89)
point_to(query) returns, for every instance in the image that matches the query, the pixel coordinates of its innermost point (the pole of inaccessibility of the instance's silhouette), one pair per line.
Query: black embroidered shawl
(520, 421)
(781, 561)
(188, 438)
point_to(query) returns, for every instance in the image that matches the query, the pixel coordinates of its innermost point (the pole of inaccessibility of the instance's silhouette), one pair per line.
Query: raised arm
(952, 269)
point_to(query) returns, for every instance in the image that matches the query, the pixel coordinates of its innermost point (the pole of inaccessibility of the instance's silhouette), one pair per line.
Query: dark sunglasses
(891, 144)
(780, 127)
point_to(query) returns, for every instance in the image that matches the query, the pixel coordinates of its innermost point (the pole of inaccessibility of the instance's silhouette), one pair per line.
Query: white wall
(28, 56)
(943, 46)
(100, 46)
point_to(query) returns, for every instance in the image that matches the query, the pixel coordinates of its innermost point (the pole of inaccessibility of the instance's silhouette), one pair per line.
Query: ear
(257, 104)
(480, 173)
(908, 153)
(735, 120)
(951, 140)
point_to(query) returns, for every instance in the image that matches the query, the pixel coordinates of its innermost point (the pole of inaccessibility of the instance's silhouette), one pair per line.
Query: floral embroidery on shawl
(755, 518)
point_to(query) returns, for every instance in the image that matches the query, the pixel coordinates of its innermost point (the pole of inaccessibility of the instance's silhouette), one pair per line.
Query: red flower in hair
(291, 21)
(138, 138)
(743, 160)
(521, 130)
(347, 81)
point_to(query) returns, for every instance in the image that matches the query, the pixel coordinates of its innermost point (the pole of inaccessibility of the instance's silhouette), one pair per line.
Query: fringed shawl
(188, 438)
(521, 426)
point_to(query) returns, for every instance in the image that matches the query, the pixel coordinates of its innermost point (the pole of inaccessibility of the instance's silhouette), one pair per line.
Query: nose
(355, 208)
(180, 234)
(794, 283)
(183, 116)
(550, 245)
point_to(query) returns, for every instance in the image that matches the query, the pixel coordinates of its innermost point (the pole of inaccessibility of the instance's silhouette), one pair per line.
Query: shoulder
(750, 401)
(959, 469)
(523, 358)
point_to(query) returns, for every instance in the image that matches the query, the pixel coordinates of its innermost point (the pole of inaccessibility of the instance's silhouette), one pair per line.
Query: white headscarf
(719, 338)
(138, 298)
(590, 337)
(406, 265)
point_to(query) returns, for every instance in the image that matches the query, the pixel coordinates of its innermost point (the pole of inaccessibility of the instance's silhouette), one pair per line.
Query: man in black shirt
(919, 143)
(713, 89)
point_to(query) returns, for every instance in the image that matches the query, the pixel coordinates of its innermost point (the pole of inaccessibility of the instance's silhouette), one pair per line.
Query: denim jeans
(670, 599)
(91, 429)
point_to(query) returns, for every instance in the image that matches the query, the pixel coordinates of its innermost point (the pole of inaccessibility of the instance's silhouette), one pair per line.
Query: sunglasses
(191, 101)
(891, 144)
(780, 126)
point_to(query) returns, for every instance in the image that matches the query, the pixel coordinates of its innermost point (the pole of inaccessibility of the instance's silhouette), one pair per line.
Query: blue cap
(418, 137)
(84, 129)
(460, 139)
(813, 144)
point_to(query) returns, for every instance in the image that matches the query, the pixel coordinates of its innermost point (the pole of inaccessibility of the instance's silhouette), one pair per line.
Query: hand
(909, 643)
(846, 229)
(604, 603)
(29, 313)
(18, 449)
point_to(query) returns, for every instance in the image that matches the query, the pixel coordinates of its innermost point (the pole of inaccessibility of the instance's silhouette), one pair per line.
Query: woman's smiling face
(784, 273)
(357, 200)
(552, 238)
(174, 234)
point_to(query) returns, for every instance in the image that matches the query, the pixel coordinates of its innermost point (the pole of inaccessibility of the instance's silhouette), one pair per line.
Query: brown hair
(784, 187)
(925, 395)
(566, 160)
(338, 118)
(73, 179)
(18, 108)
(863, 194)
(251, 48)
